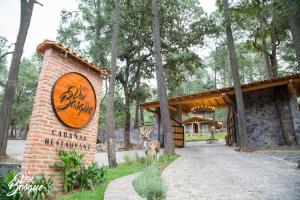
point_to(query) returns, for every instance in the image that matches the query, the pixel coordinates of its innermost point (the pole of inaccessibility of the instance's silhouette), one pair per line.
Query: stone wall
(39, 155)
(295, 116)
(120, 132)
(264, 127)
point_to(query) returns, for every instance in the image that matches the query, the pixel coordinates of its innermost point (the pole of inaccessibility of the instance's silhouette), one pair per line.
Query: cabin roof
(221, 98)
(41, 48)
(199, 119)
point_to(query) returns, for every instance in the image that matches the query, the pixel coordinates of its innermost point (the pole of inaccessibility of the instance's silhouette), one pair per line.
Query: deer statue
(151, 147)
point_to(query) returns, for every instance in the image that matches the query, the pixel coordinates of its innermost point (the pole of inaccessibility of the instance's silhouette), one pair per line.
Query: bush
(76, 174)
(71, 162)
(150, 185)
(4, 187)
(45, 191)
(92, 175)
(129, 160)
(37, 194)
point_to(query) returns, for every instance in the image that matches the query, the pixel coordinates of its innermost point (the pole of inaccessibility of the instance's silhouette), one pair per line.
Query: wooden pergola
(221, 98)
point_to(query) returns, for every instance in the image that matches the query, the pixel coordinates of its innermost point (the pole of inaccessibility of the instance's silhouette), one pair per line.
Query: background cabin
(201, 125)
(272, 111)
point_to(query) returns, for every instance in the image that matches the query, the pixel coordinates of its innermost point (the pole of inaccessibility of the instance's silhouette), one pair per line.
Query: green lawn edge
(123, 169)
(194, 138)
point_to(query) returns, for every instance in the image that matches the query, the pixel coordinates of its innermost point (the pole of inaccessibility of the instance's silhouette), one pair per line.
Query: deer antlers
(145, 132)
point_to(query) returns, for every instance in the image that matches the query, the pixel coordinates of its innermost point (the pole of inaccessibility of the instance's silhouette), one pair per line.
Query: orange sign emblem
(73, 100)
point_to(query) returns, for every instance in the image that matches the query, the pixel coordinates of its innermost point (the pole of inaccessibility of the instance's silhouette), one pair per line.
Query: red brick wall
(39, 156)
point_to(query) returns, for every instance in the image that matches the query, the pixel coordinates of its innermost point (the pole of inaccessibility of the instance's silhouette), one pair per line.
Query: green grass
(123, 169)
(191, 138)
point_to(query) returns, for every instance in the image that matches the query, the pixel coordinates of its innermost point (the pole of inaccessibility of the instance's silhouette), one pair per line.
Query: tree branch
(2, 84)
(38, 3)
(5, 54)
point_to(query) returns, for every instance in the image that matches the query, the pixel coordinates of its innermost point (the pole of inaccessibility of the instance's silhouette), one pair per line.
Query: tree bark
(267, 59)
(12, 127)
(111, 152)
(294, 24)
(136, 117)
(273, 56)
(163, 99)
(142, 116)
(229, 77)
(125, 85)
(127, 118)
(26, 13)
(236, 79)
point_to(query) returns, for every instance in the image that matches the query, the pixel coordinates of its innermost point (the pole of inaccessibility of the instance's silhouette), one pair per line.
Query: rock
(212, 141)
(5, 167)
(101, 147)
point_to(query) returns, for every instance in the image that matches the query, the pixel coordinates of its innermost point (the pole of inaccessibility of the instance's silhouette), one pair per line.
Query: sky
(45, 20)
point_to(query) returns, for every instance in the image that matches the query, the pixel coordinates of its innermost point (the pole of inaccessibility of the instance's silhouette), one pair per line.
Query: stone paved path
(122, 189)
(217, 172)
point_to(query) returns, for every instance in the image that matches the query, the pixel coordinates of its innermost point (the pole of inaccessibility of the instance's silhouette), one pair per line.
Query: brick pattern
(37, 156)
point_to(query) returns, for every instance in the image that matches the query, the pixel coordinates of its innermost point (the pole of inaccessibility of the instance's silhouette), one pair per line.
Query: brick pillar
(39, 155)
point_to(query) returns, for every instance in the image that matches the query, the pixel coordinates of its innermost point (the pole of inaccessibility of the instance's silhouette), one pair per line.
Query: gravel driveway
(218, 172)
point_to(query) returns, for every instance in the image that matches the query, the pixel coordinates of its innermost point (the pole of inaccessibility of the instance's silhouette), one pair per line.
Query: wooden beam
(174, 109)
(227, 99)
(150, 110)
(217, 102)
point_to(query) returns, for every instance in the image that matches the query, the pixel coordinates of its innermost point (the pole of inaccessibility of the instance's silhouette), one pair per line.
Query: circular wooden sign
(73, 100)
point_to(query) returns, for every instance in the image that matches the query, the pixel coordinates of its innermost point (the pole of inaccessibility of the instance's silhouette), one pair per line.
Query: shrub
(47, 187)
(71, 162)
(92, 175)
(36, 194)
(129, 160)
(149, 184)
(4, 187)
(76, 174)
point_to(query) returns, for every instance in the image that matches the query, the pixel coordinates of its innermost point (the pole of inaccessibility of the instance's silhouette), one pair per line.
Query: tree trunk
(286, 127)
(111, 152)
(273, 56)
(12, 127)
(136, 117)
(127, 106)
(294, 24)
(236, 79)
(163, 99)
(26, 13)
(229, 74)
(142, 116)
(127, 119)
(267, 59)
